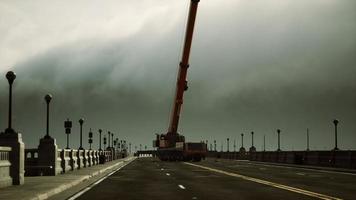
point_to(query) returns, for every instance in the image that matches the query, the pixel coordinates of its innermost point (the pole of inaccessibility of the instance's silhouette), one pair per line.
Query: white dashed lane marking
(300, 174)
(181, 187)
(168, 174)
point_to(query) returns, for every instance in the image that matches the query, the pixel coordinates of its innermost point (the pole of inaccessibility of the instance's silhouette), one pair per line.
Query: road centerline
(268, 183)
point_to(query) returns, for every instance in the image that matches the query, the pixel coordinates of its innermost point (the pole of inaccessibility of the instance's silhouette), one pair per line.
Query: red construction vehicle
(172, 146)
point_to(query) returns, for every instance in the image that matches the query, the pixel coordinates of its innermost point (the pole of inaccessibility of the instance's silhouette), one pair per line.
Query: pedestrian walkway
(42, 187)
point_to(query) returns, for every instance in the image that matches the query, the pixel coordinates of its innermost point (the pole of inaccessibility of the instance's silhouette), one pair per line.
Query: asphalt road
(149, 178)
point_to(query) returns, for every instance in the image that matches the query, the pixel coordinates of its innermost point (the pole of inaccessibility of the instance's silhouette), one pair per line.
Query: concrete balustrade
(338, 159)
(65, 160)
(31, 162)
(95, 157)
(80, 159)
(73, 159)
(89, 157)
(5, 178)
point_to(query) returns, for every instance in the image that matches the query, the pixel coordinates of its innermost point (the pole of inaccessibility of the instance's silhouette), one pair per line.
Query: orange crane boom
(182, 84)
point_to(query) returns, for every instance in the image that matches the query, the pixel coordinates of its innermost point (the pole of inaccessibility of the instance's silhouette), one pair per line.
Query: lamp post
(68, 126)
(48, 99)
(228, 143)
(112, 140)
(100, 131)
(109, 135)
(242, 149)
(307, 139)
(81, 121)
(335, 124)
(10, 76)
(90, 139)
(279, 139)
(252, 148)
(104, 142)
(264, 142)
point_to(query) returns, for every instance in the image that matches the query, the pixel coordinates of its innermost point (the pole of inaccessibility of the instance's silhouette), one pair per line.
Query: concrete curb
(61, 188)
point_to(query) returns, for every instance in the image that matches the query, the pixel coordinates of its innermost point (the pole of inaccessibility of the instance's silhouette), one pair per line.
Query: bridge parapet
(338, 159)
(5, 178)
(65, 160)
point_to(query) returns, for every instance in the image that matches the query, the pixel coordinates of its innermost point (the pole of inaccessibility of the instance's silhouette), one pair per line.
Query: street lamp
(81, 121)
(252, 148)
(242, 149)
(104, 142)
(90, 138)
(48, 99)
(264, 142)
(100, 131)
(308, 139)
(112, 140)
(115, 142)
(10, 76)
(336, 123)
(109, 135)
(68, 126)
(279, 139)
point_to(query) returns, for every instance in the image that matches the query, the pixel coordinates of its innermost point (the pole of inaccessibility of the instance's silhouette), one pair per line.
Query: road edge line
(268, 183)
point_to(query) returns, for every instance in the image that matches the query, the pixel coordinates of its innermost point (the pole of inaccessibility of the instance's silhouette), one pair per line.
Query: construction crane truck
(172, 146)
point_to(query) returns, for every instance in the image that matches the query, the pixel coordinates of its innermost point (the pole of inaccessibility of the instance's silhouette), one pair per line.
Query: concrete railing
(73, 159)
(65, 160)
(338, 159)
(80, 159)
(31, 162)
(5, 178)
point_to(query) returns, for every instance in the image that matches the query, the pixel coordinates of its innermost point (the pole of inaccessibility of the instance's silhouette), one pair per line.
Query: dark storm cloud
(255, 66)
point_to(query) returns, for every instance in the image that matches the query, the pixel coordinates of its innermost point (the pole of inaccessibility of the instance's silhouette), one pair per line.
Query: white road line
(276, 185)
(302, 168)
(181, 187)
(79, 193)
(168, 174)
(96, 182)
(301, 174)
(162, 169)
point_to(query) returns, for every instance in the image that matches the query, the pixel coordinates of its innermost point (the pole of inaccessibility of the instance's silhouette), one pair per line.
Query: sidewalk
(42, 187)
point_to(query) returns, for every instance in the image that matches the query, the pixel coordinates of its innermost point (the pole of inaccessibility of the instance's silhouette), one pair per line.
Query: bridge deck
(149, 178)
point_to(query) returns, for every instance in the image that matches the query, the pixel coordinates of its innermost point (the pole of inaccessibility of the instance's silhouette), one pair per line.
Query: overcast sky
(255, 66)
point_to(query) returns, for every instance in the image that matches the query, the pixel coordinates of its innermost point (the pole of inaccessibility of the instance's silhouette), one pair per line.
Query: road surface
(149, 178)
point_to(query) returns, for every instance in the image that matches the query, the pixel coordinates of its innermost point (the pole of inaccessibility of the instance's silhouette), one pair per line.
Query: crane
(172, 145)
